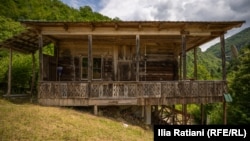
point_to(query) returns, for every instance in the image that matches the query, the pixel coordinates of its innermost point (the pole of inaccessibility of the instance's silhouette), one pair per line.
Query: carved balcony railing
(128, 89)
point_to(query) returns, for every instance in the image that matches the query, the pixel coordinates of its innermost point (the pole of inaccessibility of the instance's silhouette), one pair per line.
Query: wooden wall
(118, 62)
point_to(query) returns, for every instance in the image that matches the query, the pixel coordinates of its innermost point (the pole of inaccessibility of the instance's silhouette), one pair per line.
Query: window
(97, 68)
(84, 68)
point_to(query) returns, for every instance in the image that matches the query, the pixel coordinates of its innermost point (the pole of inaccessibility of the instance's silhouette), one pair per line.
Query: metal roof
(160, 32)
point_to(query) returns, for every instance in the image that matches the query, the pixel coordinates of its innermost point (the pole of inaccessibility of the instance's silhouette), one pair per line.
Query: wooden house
(139, 63)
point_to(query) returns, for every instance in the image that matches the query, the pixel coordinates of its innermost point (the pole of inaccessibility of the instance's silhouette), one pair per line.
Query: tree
(9, 28)
(238, 79)
(240, 89)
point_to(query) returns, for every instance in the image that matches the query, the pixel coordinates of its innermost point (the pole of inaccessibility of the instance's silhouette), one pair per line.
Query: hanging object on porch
(228, 97)
(59, 71)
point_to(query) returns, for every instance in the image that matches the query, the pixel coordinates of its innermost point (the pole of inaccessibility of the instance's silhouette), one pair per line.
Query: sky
(172, 10)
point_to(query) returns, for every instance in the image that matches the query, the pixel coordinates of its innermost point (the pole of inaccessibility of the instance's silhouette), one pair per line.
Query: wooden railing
(128, 89)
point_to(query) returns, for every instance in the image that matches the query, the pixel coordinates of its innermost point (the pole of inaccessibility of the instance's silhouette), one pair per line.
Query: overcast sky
(172, 10)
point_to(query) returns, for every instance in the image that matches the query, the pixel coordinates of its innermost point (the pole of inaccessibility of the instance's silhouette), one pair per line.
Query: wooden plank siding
(68, 93)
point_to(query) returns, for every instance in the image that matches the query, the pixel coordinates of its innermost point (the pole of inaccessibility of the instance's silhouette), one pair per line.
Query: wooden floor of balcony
(55, 93)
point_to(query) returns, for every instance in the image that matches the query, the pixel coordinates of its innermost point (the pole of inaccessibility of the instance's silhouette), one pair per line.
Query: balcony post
(195, 64)
(33, 76)
(184, 74)
(95, 110)
(89, 58)
(137, 56)
(40, 44)
(89, 64)
(223, 60)
(148, 114)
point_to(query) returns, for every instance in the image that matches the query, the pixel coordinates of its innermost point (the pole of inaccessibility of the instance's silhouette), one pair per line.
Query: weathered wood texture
(119, 63)
(167, 92)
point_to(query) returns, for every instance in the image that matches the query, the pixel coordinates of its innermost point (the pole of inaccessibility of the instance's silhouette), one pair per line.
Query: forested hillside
(238, 40)
(47, 10)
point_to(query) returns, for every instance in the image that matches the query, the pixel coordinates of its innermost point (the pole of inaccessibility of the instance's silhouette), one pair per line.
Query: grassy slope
(34, 122)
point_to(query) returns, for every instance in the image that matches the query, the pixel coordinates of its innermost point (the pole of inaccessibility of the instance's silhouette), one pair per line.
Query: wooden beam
(137, 57)
(223, 57)
(180, 66)
(33, 75)
(184, 75)
(223, 60)
(40, 44)
(56, 54)
(95, 110)
(195, 63)
(224, 112)
(184, 114)
(115, 60)
(90, 58)
(10, 73)
(173, 114)
(92, 30)
(148, 112)
(202, 110)
(184, 62)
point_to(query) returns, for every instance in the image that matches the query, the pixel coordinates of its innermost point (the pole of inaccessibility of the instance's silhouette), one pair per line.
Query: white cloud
(180, 10)
(172, 10)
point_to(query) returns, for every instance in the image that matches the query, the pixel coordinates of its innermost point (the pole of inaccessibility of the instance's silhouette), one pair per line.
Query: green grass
(26, 122)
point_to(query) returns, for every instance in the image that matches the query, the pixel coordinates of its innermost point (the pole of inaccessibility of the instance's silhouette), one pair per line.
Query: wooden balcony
(69, 93)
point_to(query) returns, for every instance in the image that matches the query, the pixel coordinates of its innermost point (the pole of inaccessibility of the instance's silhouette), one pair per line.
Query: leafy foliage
(239, 78)
(9, 28)
(50, 10)
(240, 87)
(207, 66)
(240, 40)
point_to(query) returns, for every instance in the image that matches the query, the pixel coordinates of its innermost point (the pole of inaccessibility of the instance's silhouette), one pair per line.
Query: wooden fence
(130, 89)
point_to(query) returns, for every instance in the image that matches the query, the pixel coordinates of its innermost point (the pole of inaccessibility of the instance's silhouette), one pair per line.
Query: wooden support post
(40, 40)
(195, 63)
(115, 60)
(56, 54)
(184, 63)
(184, 75)
(137, 57)
(142, 111)
(173, 114)
(95, 110)
(148, 114)
(223, 57)
(184, 114)
(202, 114)
(33, 76)
(196, 77)
(10, 73)
(89, 58)
(89, 63)
(224, 112)
(180, 66)
(223, 60)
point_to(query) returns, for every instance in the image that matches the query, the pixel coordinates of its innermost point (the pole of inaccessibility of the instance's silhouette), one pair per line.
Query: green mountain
(47, 10)
(208, 66)
(238, 40)
(209, 62)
